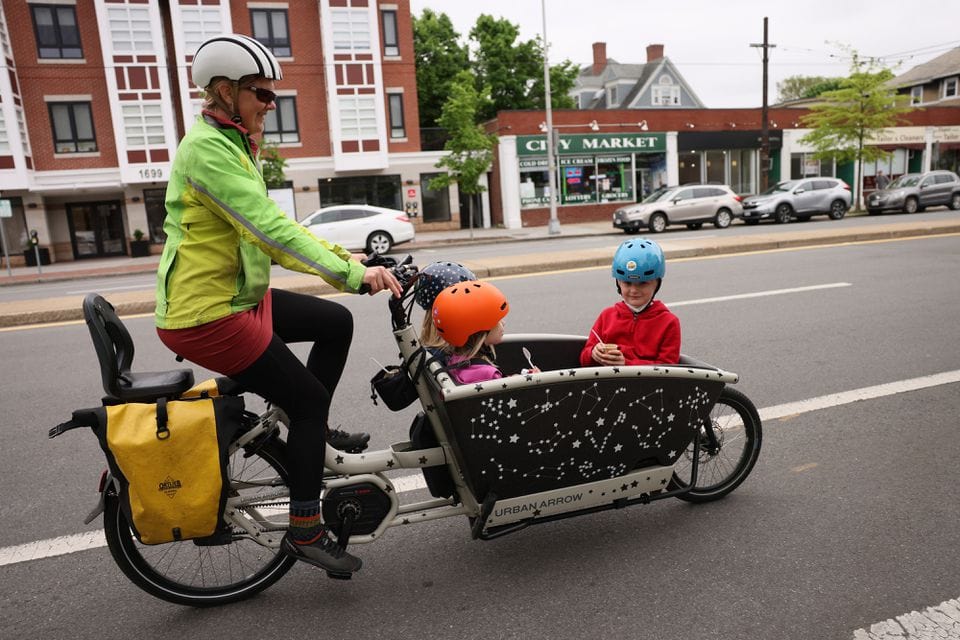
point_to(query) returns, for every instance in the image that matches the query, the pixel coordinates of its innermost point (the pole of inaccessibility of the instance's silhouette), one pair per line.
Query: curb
(67, 309)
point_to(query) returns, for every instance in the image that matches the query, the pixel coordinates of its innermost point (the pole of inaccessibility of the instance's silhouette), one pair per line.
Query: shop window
(271, 28)
(689, 164)
(806, 164)
(391, 44)
(72, 127)
(280, 125)
(436, 202)
(651, 173)
(613, 179)
(716, 167)
(577, 180)
(56, 30)
(534, 183)
(153, 202)
(381, 191)
(397, 127)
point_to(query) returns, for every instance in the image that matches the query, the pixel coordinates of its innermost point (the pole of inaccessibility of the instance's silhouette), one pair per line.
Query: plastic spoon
(526, 354)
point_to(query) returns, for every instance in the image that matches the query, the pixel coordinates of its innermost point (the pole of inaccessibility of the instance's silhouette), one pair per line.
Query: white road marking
(933, 623)
(93, 539)
(759, 294)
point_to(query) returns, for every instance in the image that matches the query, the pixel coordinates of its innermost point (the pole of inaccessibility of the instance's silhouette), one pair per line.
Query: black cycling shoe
(324, 553)
(349, 442)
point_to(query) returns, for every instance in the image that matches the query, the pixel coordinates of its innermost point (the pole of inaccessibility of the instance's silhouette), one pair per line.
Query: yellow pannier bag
(169, 459)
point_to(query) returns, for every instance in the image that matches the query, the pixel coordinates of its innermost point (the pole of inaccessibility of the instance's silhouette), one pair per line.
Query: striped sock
(306, 526)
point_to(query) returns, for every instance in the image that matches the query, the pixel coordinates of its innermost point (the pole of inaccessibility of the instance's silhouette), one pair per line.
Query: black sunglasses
(263, 95)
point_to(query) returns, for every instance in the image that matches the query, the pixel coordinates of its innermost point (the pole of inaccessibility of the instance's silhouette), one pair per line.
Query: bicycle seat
(114, 348)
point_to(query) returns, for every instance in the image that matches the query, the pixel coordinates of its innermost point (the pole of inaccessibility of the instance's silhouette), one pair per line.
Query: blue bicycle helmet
(436, 277)
(639, 260)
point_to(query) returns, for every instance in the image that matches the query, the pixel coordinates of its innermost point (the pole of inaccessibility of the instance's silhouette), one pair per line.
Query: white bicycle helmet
(233, 56)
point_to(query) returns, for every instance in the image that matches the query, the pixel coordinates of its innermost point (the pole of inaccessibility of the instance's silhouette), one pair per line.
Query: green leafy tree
(851, 116)
(470, 147)
(439, 58)
(272, 164)
(513, 70)
(801, 87)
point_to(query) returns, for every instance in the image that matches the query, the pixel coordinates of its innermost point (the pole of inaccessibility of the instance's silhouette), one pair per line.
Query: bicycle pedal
(334, 575)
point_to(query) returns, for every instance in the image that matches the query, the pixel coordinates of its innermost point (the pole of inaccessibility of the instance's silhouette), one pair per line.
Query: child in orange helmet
(468, 317)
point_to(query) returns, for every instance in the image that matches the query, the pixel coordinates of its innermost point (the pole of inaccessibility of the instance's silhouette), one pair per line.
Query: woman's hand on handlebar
(376, 279)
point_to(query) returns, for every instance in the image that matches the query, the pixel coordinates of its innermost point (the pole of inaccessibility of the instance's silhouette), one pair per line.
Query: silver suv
(691, 205)
(914, 192)
(799, 199)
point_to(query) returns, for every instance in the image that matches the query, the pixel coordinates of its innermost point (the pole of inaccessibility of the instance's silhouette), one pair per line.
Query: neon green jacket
(222, 230)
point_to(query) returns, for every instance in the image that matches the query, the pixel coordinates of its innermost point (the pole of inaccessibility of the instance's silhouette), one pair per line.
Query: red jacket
(649, 337)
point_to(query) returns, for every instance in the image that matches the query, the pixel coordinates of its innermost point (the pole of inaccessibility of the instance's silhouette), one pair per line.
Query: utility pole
(765, 113)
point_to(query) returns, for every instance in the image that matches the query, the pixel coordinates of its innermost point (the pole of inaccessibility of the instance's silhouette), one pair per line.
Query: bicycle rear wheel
(235, 567)
(736, 423)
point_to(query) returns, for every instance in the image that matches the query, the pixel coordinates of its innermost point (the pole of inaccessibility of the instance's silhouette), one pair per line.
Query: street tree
(439, 58)
(469, 147)
(513, 69)
(851, 116)
(802, 87)
(272, 164)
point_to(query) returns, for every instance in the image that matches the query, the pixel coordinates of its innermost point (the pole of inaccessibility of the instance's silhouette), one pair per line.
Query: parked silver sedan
(799, 199)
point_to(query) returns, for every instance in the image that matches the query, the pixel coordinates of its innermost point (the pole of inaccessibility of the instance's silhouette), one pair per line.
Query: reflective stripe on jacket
(223, 230)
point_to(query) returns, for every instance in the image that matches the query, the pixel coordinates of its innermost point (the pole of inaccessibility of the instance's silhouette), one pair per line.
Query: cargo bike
(505, 454)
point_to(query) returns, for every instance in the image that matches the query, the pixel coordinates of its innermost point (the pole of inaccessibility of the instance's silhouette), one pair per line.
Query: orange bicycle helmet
(465, 308)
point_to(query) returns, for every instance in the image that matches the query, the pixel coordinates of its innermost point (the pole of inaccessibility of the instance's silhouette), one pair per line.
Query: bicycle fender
(106, 480)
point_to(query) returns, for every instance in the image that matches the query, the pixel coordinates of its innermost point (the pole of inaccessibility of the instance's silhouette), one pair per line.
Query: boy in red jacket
(639, 329)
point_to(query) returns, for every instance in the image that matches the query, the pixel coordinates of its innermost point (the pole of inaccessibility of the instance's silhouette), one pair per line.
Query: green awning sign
(593, 144)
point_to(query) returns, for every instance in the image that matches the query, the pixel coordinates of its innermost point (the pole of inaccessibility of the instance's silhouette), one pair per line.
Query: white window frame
(199, 23)
(358, 117)
(403, 114)
(916, 95)
(953, 82)
(143, 126)
(665, 93)
(129, 24)
(351, 29)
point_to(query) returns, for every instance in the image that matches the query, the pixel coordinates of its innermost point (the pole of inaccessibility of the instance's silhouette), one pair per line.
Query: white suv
(691, 205)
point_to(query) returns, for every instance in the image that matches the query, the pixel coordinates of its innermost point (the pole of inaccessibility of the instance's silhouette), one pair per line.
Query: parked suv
(799, 199)
(914, 192)
(690, 204)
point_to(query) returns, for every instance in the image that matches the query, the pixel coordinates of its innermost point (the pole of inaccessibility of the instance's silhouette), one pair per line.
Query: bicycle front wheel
(736, 424)
(241, 563)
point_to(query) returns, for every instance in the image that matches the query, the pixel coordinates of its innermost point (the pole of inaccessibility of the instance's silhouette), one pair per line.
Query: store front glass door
(96, 229)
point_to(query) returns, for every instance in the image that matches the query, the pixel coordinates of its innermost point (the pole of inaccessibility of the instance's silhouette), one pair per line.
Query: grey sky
(709, 40)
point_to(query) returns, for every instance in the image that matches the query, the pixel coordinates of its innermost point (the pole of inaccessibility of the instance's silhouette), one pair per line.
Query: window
(665, 93)
(391, 45)
(58, 35)
(270, 28)
(72, 127)
(397, 128)
(358, 117)
(916, 95)
(143, 124)
(130, 29)
(950, 87)
(436, 203)
(381, 191)
(153, 202)
(612, 96)
(280, 125)
(351, 29)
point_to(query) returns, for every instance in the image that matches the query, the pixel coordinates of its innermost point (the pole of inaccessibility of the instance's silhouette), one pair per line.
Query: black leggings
(303, 392)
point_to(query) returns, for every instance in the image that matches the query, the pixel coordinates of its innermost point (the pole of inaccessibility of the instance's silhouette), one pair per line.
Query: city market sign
(591, 144)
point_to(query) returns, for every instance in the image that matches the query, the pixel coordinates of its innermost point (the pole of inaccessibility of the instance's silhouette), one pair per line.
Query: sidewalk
(675, 245)
(78, 269)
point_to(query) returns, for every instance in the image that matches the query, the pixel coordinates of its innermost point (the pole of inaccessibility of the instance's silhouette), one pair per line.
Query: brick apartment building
(96, 94)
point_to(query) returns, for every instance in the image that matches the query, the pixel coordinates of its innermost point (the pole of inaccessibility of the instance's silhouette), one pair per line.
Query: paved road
(846, 522)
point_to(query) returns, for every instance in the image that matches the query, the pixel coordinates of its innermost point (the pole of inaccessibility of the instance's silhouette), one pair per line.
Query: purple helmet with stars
(436, 277)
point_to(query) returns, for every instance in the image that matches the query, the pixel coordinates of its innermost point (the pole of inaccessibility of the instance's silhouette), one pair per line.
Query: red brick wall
(305, 73)
(37, 79)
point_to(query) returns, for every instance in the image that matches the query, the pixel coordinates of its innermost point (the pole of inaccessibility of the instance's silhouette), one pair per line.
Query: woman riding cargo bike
(214, 306)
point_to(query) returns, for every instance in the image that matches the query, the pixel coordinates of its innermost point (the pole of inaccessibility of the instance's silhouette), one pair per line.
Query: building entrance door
(96, 229)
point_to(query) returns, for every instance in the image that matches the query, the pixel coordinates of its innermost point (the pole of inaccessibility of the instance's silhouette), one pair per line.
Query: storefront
(723, 157)
(592, 169)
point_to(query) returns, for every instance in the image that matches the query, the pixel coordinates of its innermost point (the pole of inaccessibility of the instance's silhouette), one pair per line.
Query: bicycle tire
(203, 576)
(736, 423)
